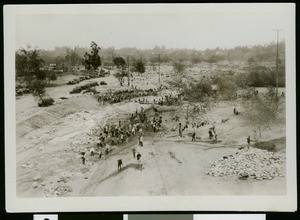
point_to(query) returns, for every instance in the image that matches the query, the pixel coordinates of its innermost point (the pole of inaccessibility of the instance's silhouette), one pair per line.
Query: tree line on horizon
(30, 62)
(67, 57)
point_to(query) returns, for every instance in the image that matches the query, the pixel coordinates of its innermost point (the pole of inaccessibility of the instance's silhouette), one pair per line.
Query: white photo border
(286, 202)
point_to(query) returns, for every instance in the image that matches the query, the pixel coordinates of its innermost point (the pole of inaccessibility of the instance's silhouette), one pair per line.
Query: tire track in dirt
(165, 184)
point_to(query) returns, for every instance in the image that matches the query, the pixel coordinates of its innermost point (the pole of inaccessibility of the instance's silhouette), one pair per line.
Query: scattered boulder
(35, 185)
(37, 178)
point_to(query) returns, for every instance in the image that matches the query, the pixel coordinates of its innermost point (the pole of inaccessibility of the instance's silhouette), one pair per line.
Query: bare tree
(260, 112)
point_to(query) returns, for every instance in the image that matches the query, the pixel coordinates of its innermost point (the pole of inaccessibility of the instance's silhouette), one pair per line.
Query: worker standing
(133, 152)
(180, 130)
(120, 164)
(141, 141)
(248, 141)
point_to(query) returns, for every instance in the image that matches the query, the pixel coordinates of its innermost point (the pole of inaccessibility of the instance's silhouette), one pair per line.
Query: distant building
(58, 71)
(52, 67)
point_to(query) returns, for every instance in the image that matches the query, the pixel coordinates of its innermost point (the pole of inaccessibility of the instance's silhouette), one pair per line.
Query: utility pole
(159, 80)
(277, 60)
(128, 73)
(128, 76)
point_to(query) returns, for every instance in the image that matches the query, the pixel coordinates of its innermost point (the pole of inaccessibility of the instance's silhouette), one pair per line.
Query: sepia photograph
(150, 107)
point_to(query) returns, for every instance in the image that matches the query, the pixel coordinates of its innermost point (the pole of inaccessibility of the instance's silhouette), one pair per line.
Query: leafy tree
(28, 64)
(28, 67)
(213, 59)
(261, 76)
(119, 61)
(110, 55)
(37, 88)
(139, 66)
(241, 80)
(178, 67)
(92, 60)
(50, 76)
(120, 76)
(226, 87)
(60, 63)
(72, 59)
(251, 60)
(154, 61)
(199, 91)
(177, 82)
(196, 60)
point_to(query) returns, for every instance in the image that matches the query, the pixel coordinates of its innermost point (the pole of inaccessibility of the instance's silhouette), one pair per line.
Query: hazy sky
(199, 30)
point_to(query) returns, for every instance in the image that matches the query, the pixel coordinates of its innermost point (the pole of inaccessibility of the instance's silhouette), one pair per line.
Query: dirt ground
(49, 141)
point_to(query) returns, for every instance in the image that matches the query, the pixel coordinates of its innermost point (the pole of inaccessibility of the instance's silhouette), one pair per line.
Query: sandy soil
(49, 141)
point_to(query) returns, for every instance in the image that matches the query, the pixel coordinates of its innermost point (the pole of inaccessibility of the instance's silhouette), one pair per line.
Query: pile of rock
(249, 163)
(65, 177)
(36, 181)
(57, 191)
(82, 141)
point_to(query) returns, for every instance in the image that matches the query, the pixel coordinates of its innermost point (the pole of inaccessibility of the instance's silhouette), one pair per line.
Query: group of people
(115, 134)
(212, 134)
(168, 100)
(122, 95)
(194, 126)
(156, 123)
(135, 154)
(118, 134)
(235, 112)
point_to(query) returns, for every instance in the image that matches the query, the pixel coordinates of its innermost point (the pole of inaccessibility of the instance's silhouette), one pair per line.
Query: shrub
(119, 61)
(93, 90)
(261, 76)
(140, 66)
(102, 83)
(198, 91)
(45, 101)
(227, 87)
(76, 89)
(178, 67)
(248, 93)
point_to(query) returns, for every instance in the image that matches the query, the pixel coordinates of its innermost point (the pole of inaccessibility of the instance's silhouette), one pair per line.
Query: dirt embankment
(34, 119)
(48, 142)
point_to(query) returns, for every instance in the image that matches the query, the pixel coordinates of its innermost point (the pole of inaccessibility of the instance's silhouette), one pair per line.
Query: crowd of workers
(119, 96)
(116, 134)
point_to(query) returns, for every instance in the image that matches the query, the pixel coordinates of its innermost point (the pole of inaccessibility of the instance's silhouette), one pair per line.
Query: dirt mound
(272, 145)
